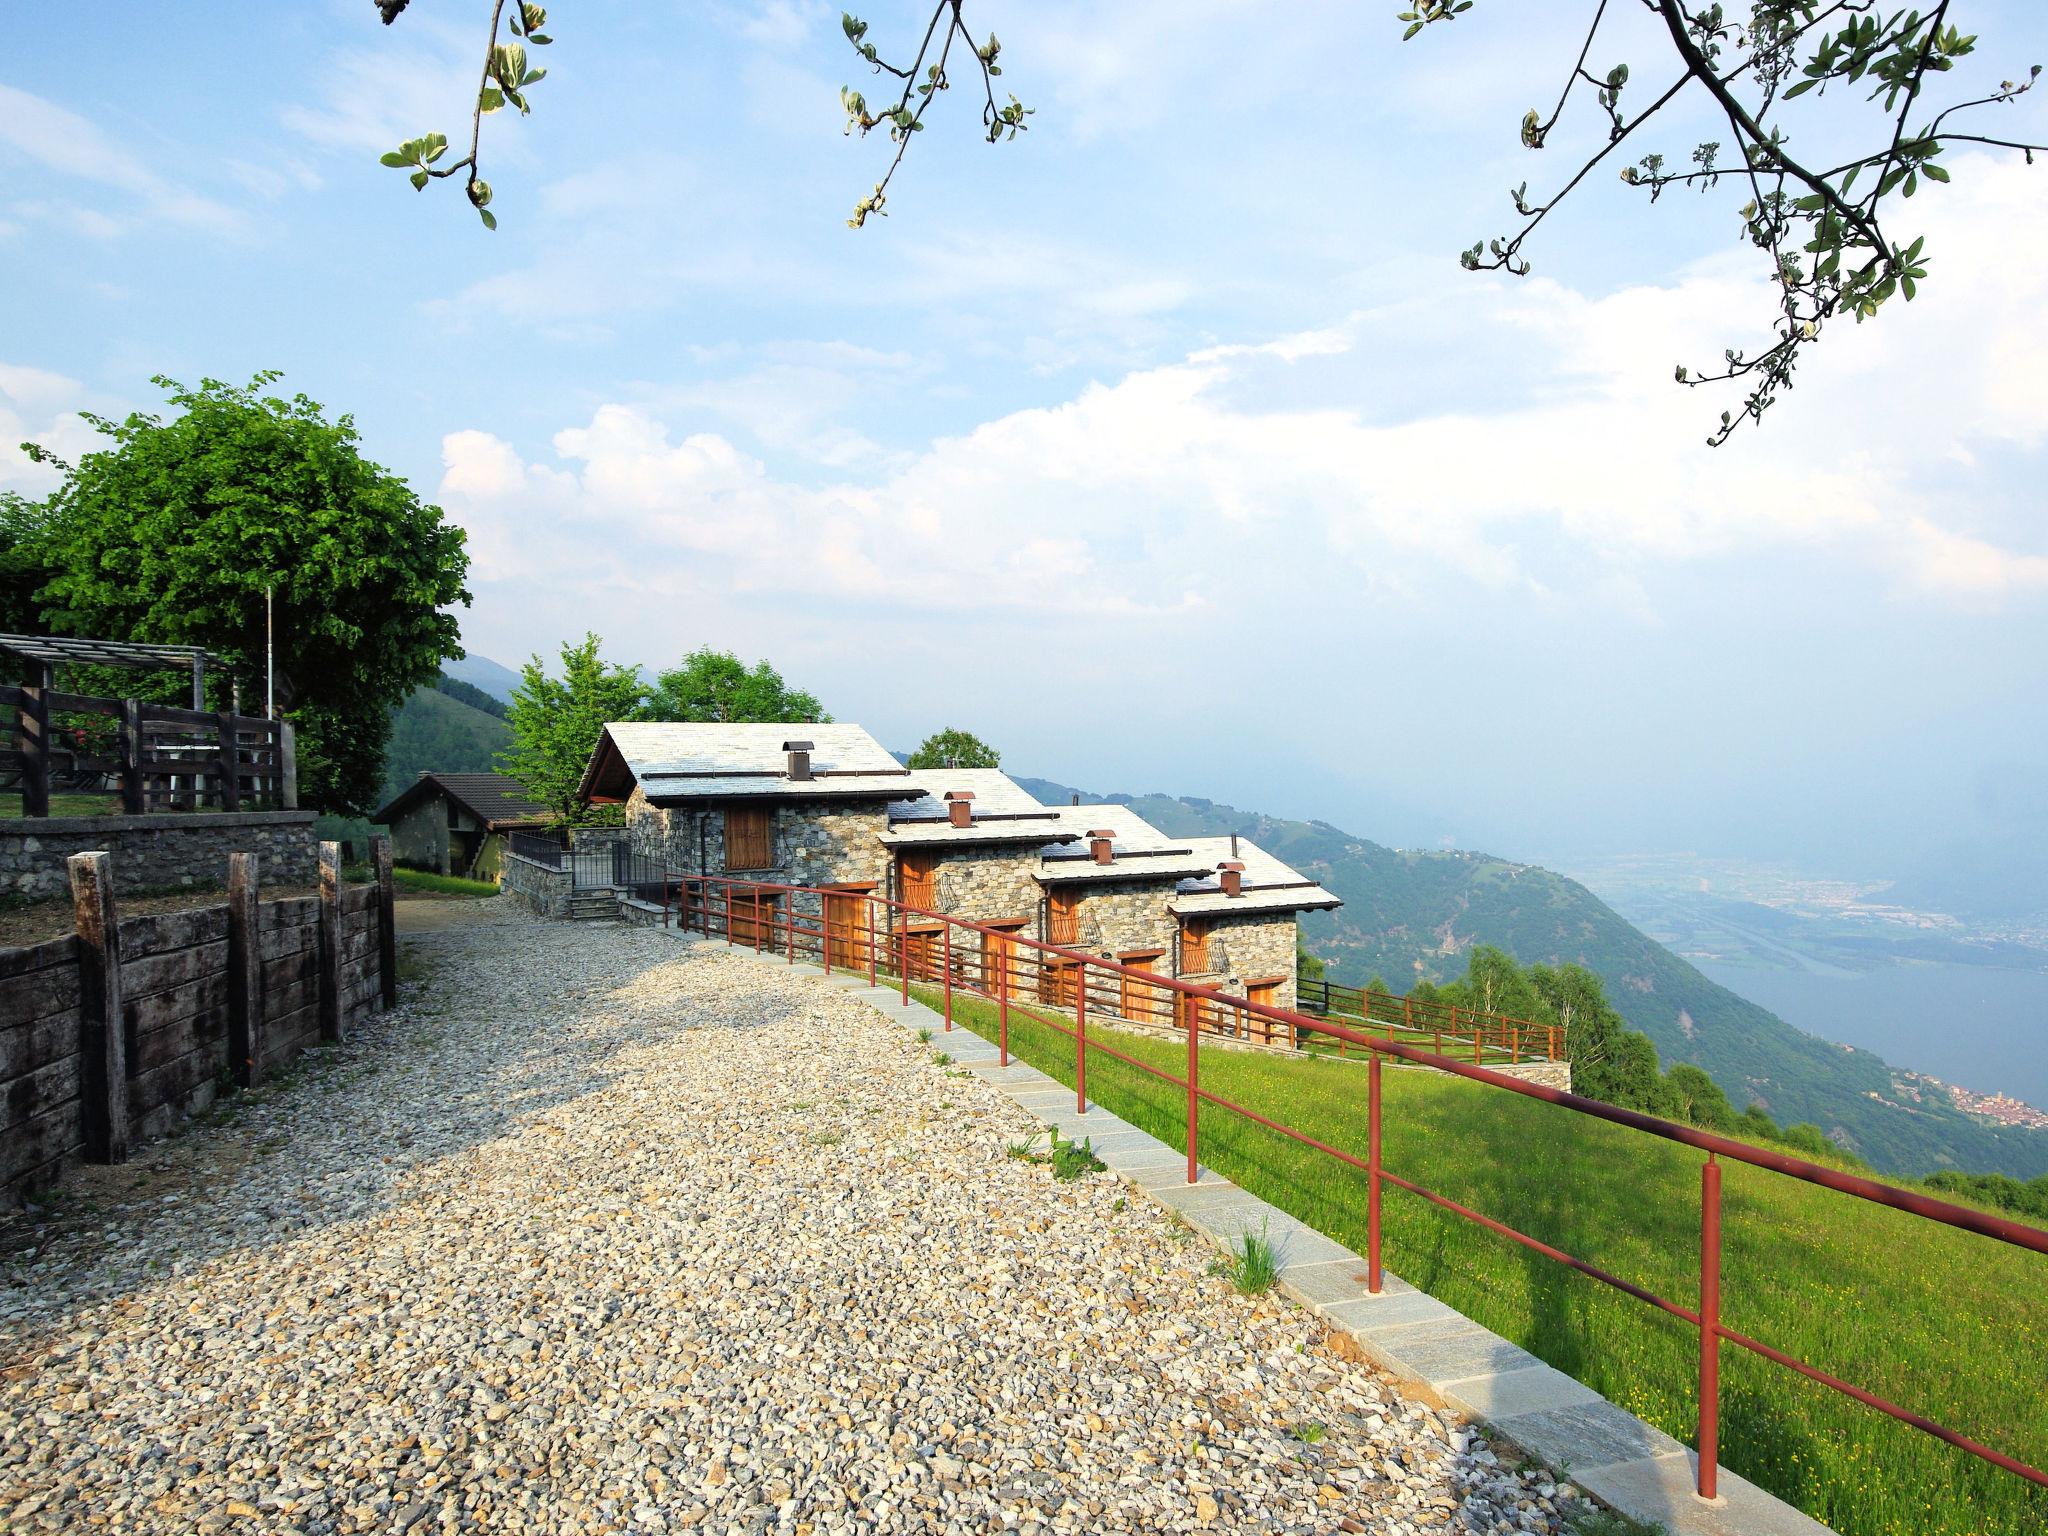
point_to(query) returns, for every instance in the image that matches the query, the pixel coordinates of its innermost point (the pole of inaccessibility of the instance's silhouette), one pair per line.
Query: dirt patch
(53, 919)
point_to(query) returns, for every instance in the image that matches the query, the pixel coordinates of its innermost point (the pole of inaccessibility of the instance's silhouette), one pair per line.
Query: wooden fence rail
(159, 758)
(111, 1034)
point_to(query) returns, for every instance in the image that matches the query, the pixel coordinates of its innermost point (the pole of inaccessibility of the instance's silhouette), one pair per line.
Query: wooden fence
(110, 1035)
(160, 758)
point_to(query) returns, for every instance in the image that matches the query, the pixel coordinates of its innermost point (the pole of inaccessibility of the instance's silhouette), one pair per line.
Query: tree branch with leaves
(1826, 241)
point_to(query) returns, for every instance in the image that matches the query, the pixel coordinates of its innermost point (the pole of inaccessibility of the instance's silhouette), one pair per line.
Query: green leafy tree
(556, 722)
(172, 533)
(1698, 1099)
(717, 685)
(1307, 966)
(955, 749)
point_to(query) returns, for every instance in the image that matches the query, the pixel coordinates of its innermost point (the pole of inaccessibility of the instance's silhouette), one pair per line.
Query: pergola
(47, 650)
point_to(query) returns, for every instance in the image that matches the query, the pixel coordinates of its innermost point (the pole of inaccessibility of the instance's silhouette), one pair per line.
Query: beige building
(456, 823)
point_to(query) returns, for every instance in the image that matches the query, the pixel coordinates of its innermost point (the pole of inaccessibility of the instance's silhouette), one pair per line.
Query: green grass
(442, 885)
(1250, 1264)
(1945, 1323)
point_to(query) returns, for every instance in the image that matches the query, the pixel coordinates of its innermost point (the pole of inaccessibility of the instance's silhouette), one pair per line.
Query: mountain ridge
(1411, 916)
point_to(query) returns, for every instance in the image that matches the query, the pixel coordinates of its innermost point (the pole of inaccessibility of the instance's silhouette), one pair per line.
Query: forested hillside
(437, 731)
(1412, 916)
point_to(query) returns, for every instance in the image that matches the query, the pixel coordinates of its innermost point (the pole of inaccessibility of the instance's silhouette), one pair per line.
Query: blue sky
(1166, 447)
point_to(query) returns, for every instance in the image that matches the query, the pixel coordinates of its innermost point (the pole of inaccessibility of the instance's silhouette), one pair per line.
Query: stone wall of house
(1118, 916)
(419, 838)
(165, 852)
(831, 843)
(1255, 946)
(989, 884)
(536, 886)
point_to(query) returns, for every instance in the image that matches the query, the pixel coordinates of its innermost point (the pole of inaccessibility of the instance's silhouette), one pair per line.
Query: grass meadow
(1946, 1323)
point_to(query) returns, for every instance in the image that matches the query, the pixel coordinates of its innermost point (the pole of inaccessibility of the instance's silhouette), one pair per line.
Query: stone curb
(1436, 1353)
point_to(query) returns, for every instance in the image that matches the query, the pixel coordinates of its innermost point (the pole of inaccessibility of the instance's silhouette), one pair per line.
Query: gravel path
(600, 1232)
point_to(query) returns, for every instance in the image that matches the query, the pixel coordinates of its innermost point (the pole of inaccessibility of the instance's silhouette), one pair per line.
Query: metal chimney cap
(797, 746)
(959, 794)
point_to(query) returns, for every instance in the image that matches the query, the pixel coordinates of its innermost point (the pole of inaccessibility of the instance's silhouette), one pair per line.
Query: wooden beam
(33, 727)
(387, 928)
(331, 1022)
(230, 761)
(245, 973)
(133, 799)
(102, 1040)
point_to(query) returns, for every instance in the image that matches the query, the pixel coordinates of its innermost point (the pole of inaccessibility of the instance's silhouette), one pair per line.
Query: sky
(1166, 447)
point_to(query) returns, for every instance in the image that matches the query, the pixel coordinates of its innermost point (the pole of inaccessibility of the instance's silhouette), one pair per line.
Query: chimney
(960, 807)
(1076, 799)
(1232, 874)
(799, 759)
(1233, 845)
(1099, 846)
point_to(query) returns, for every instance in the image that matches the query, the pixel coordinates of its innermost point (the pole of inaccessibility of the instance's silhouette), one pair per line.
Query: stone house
(969, 847)
(456, 823)
(785, 804)
(1234, 927)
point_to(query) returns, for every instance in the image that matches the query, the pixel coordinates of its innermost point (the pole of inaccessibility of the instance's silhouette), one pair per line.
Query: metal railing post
(757, 919)
(1372, 1176)
(789, 922)
(1081, 1040)
(1003, 1002)
(1710, 1324)
(946, 965)
(906, 957)
(1194, 1018)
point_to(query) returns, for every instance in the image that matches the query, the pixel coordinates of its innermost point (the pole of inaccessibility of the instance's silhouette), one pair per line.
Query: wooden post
(245, 973)
(230, 762)
(133, 798)
(102, 1037)
(331, 1027)
(33, 727)
(287, 766)
(387, 927)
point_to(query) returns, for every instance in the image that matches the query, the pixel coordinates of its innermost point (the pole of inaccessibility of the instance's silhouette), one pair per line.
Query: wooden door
(1137, 1000)
(1194, 946)
(1063, 915)
(927, 943)
(845, 920)
(1257, 1026)
(921, 881)
(745, 929)
(998, 964)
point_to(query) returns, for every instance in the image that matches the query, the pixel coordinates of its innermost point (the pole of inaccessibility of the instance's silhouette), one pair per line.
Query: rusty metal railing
(1451, 1028)
(1062, 989)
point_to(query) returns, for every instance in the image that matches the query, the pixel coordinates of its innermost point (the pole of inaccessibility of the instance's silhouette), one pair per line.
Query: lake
(1978, 1027)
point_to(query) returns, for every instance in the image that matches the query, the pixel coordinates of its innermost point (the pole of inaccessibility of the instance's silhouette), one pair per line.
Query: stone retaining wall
(537, 887)
(67, 1065)
(156, 853)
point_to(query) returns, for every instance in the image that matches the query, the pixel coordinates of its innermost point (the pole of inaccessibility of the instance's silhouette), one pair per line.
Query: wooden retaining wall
(111, 1035)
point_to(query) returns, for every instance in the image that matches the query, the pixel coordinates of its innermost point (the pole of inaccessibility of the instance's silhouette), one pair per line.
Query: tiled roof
(686, 760)
(1138, 850)
(1269, 885)
(495, 799)
(1004, 812)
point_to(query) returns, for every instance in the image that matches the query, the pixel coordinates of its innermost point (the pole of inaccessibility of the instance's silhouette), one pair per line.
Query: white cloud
(42, 407)
(1575, 469)
(74, 148)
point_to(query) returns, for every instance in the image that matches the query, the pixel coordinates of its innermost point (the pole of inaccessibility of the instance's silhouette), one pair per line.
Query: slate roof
(1137, 849)
(1269, 885)
(1004, 811)
(680, 761)
(495, 799)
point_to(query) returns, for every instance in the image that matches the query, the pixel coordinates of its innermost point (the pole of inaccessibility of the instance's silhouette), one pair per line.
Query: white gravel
(603, 1232)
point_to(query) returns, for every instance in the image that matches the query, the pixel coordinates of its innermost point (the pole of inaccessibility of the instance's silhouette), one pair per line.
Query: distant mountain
(1413, 916)
(435, 732)
(493, 677)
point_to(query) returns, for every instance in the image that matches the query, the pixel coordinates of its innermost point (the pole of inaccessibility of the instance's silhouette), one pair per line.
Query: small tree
(717, 685)
(556, 722)
(955, 749)
(174, 531)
